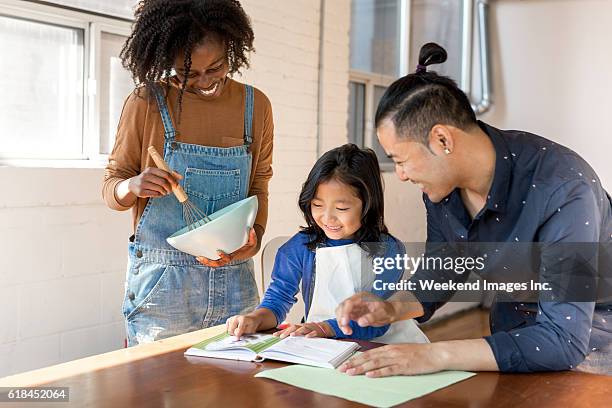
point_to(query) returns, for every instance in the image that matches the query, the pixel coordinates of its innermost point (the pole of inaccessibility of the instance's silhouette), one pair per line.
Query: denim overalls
(169, 292)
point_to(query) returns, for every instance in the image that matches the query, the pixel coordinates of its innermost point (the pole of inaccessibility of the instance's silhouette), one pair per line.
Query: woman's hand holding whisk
(153, 182)
(247, 251)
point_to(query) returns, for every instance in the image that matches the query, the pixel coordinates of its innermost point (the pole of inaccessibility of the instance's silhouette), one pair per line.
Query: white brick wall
(62, 263)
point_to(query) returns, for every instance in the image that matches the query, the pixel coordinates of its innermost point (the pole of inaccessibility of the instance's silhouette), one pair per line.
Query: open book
(317, 352)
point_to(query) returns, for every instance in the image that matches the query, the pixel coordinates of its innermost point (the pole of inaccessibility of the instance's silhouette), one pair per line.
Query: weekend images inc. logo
(441, 266)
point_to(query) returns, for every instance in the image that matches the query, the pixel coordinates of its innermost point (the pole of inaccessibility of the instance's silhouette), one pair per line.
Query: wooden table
(158, 374)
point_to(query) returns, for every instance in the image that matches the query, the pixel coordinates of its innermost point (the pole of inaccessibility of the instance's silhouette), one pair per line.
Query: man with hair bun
(485, 185)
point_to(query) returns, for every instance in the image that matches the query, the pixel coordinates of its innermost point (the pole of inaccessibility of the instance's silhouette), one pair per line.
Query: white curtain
(437, 21)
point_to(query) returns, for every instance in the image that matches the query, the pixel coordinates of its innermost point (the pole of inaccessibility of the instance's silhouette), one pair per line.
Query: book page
(313, 349)
(253, 342)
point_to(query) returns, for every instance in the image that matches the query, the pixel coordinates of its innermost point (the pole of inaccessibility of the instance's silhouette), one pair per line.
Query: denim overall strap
(248, 115)
(169, 131)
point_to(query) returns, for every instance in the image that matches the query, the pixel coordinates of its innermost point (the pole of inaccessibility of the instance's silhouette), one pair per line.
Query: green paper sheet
(376, 392)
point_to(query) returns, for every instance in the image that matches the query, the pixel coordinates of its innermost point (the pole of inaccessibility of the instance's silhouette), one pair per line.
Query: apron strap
(169, 131)
(313, 279)
(248, 115)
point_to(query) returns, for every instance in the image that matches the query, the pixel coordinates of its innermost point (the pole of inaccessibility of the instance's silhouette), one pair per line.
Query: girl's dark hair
(419, 101)
(357, 168)
(163, 28)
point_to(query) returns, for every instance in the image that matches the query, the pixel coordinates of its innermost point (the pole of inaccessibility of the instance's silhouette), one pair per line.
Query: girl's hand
(242, 324)
(247, 251)
(320, 329)
(153, 182)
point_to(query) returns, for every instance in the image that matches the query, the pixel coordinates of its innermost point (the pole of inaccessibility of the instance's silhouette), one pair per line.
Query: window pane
(42, 85)
(380, 152)
(356, 112)
(437, 21)
(115, 84)
(375, 36)
(119, 8)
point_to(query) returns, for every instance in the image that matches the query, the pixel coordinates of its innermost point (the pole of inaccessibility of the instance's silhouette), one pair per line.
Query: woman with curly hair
(216, 135)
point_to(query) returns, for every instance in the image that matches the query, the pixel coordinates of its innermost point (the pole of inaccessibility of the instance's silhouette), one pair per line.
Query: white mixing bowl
(227, 231)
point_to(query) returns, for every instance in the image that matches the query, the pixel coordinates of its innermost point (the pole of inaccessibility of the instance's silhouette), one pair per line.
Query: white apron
(337, 277)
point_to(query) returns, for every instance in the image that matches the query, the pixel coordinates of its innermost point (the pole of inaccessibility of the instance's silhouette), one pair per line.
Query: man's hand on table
(411, 359)
(406, 359)
(394, 359)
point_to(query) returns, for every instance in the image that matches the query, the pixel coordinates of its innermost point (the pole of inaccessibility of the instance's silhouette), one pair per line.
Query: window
(113, 83)
(356, 112)
(386, 36)
(63, 84)
(375, 34)
(378, 48)
(117, 8)
(438, 21)
(42, 83)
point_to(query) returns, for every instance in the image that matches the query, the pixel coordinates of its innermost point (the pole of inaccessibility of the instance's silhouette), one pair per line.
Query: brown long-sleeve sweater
(217, 122)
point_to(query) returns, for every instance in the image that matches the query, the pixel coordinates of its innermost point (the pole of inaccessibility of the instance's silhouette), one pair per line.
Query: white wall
(552, 73)
(62, 265)
(552, 76)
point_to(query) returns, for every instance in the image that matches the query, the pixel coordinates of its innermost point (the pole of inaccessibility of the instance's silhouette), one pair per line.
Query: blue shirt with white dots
(545, 193)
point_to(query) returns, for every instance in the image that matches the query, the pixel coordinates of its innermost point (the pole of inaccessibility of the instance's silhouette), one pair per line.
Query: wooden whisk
(193, 216)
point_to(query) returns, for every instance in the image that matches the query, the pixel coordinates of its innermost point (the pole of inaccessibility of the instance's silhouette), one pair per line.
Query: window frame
(371, 79)
(92, 137)
(92, 25)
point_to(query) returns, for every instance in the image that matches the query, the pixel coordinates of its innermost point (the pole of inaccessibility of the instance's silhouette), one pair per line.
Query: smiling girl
(342, 203)
(216, 134)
